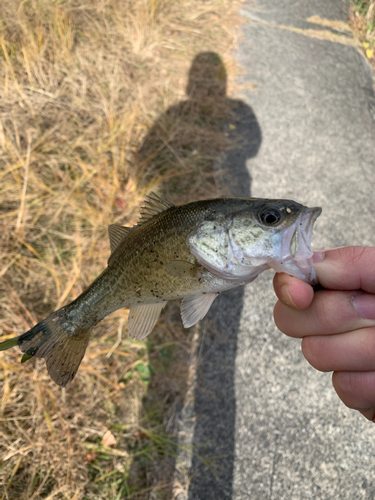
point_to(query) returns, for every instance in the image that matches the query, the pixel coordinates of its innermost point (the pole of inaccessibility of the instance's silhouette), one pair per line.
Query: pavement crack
(273, 474)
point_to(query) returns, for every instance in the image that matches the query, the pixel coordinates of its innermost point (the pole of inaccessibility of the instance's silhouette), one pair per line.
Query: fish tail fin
(57, 339)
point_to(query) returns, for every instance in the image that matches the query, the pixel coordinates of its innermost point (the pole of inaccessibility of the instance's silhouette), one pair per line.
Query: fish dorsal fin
(183, 269)
(154, 205)
(196, 307)
(116, 235)
(142, 319)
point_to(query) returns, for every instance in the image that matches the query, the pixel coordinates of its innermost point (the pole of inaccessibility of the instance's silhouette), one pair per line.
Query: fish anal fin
(196, 307)
(184, 269)
(60, 343)
(142, 319)
(154, 205)
(116, 234)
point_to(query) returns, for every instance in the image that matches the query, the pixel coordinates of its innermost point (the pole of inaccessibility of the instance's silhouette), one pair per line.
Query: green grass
(362, 22)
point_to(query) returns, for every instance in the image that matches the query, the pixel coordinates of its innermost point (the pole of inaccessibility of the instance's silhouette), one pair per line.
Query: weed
(362, 21)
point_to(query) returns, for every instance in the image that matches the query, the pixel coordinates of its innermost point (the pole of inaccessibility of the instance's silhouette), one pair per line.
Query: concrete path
(266, 424)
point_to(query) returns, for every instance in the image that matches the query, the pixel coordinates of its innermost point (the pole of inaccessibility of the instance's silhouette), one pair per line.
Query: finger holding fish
(336, 324)
(347, 303)
(342, 268)
(293, 292)
(330, 312)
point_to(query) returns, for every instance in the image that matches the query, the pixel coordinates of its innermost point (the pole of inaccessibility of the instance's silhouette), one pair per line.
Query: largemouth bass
(191, 252)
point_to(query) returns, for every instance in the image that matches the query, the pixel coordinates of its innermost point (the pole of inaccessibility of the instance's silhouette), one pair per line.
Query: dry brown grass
(82, 83)
(362, 22)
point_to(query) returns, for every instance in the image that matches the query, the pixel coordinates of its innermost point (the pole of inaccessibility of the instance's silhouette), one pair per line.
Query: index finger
(348, 268)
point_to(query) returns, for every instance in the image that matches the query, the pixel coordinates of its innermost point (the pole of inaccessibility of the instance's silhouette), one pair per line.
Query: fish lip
(314, 214)
(303, 254)
(308, 218)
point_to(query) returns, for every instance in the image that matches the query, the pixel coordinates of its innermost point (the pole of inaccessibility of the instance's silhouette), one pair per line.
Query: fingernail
(286, 297)
(365, 305)
(318, 257)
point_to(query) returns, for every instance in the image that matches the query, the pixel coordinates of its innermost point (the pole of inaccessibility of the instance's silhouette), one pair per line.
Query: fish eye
(270, 216)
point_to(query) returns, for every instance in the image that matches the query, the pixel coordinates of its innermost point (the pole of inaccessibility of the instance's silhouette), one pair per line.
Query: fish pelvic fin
(195, 308)
(60, 342)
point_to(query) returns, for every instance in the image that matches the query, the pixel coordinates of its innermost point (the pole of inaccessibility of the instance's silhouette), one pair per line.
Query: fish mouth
(296, 251)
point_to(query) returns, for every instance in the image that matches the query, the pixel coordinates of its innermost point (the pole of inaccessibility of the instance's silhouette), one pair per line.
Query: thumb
(292, 292)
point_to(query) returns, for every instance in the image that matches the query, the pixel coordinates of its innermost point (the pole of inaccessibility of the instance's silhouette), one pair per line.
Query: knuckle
(333, 311)
(323, 314)
(313, 350)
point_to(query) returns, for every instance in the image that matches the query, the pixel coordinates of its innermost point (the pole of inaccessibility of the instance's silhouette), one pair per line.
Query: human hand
(336, 323)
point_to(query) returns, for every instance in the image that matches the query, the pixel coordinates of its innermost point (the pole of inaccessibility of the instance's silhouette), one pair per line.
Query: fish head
(259, 234)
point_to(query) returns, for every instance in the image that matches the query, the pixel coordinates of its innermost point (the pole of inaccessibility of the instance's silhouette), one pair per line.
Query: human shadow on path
(204, 140)
(201, 139)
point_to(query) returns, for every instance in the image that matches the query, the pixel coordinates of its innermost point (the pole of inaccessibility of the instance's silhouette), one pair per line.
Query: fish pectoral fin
(116, 234)
(183, 269)
(142, 319)
(196, 307)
